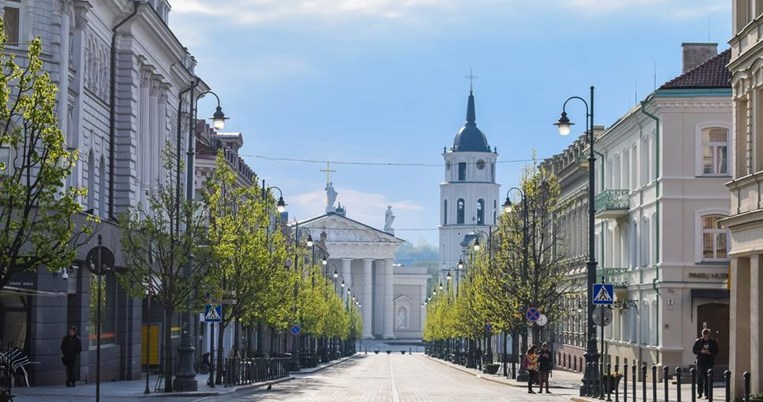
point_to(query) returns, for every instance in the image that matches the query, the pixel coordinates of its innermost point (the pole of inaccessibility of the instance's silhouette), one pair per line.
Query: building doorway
(716, 317)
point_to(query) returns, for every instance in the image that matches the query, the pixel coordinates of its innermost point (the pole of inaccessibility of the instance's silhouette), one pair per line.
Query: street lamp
(185, 378)
(508, 207)
(591, 354)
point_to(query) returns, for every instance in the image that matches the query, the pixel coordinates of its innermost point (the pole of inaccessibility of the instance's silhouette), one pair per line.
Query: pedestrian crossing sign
(213, 313)
(603, 294)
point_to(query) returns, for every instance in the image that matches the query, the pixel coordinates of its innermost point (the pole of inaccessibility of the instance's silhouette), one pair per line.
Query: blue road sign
(213, 313)
(295, 329)
(532, 314)
(603, 294)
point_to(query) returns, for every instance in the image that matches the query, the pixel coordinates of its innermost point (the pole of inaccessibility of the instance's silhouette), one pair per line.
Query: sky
(379, 87)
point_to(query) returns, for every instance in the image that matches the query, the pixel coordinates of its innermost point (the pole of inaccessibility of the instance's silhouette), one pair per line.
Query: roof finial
(471, 78)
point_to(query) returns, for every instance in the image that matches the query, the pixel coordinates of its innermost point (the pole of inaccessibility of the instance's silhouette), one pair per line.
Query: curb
(496, 380)
(330, 364)
(229, 390)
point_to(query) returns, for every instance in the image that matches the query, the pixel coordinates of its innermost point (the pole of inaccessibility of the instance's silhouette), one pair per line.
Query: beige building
(660, 194)
(746, 220)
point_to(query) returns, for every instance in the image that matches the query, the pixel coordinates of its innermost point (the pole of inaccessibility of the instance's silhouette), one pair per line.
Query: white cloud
(257, 12)
(368, 208)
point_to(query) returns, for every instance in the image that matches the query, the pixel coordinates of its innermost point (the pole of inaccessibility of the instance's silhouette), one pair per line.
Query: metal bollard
(727, 376)
(617, 389)
(693, 372)
(633, 371)
(625, 379)
(588, 385)
(607, 383)
(654, 383)
(709, 384)
(746, 377)
(665, 372)
(643, 381)
(678, 383)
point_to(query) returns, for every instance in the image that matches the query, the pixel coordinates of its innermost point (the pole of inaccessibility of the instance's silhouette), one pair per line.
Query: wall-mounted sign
(709, 275)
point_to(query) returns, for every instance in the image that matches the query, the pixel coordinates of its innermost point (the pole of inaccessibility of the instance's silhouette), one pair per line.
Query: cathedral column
(346, 275)
(388, 301)
(143, 149)
(368, 304)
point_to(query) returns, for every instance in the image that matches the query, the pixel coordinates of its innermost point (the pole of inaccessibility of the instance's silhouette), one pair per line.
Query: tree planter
(492, 368)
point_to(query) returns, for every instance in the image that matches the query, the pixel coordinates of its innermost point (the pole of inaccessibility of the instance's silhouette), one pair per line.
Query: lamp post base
(185, 379)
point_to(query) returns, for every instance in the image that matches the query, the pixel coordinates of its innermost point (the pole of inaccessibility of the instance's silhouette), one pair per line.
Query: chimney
(695, 54)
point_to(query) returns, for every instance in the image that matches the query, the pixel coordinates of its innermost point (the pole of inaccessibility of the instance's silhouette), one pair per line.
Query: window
(461, 171)
(714, 245)
(715, 151)
(444, 212)
(481, 212)
(460, 211)
(12, 22)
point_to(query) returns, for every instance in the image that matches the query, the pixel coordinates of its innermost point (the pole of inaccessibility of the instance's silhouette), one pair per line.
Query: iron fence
(608, 386)
(240, 371)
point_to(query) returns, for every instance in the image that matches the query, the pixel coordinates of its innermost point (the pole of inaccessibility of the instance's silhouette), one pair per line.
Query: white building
(659, 197)
(469, 195)
(746, 212)
(363, 257)
(120, 72)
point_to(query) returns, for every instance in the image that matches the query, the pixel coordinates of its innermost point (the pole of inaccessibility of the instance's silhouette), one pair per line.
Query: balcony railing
(612, 204)
(616, 276)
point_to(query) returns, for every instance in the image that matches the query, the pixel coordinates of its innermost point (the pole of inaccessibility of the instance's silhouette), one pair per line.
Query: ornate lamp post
(591, 376)
(508, 207)
(185, 379)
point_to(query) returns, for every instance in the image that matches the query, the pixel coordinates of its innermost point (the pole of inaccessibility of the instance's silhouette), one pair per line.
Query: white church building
(469, 204)
(391, 295)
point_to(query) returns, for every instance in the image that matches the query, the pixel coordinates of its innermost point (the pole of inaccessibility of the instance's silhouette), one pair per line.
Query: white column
(154, 92)
(162, 139)
(388, 302)
(63, 68)
(368, 304)
(347, 275)
(142, 165)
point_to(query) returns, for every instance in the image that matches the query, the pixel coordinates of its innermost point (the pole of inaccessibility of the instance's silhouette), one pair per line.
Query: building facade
(469, 195)
(746, 220)
(120, 72)
(659, 199)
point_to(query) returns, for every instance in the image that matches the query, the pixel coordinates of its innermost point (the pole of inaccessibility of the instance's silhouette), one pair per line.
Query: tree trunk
(168, 361)
(220, 355)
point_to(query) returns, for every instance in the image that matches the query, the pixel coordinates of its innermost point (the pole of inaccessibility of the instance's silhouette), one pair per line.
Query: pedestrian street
(394, 377)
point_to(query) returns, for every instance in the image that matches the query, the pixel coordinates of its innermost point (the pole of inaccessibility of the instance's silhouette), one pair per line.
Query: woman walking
(545, 360)
(531, 363)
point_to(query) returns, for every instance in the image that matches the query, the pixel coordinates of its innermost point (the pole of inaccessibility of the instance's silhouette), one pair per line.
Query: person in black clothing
(705, 348)
(545, 361)
(71, 346)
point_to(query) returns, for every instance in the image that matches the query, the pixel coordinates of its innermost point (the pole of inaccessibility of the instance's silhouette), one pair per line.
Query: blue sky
(383, 82)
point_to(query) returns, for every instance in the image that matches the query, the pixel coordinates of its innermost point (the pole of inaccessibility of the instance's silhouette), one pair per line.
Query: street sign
(542, 320)
(106, 258)
(602, 316)
(295, 329)
(603, 294)
(213, 313)
(532, 314)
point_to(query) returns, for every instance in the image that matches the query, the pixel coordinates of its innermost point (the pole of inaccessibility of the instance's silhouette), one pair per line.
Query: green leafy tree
(160, 241)
(36, 208)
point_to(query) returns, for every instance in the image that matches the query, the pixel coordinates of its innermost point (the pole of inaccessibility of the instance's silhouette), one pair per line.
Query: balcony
(612, 204)
(616, 276)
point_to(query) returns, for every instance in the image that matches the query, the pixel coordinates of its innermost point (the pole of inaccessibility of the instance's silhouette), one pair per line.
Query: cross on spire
(471, 78)
(328, 171)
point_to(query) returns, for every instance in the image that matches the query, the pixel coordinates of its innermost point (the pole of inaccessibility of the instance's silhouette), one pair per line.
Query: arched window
(444, 212)
(480, 211)
(460, 211)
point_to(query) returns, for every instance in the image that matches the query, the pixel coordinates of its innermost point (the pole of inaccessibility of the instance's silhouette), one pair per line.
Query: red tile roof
(710, 74)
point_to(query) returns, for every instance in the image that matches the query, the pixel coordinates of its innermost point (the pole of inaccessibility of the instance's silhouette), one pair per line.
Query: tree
(36, 207)
(160, 241)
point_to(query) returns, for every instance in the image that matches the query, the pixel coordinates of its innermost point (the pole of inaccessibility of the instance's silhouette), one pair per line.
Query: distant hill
(421, 255)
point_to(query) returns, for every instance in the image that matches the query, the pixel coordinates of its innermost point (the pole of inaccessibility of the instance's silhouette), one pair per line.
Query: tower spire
(471, 115)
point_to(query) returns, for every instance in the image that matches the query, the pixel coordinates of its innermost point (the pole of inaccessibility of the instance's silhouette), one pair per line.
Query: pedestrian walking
(705, 348)
(545, 361)
(531, 363)
(71, 346)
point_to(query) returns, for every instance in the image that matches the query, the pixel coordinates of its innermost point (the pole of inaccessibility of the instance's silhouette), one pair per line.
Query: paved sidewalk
(132, 390)
(559, 378)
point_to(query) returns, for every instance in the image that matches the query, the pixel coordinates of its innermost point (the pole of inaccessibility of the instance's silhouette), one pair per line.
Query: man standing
(71, 346)
(705, 348)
